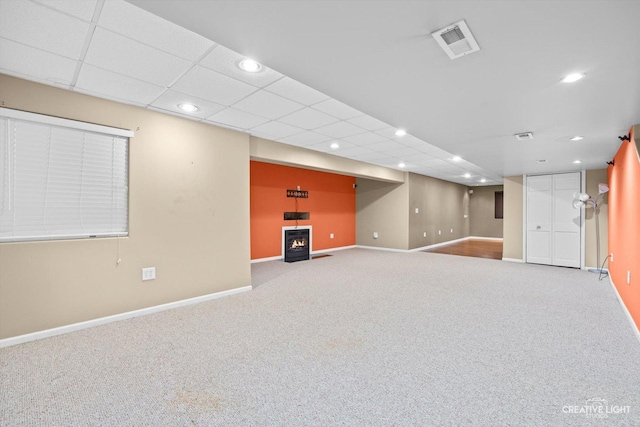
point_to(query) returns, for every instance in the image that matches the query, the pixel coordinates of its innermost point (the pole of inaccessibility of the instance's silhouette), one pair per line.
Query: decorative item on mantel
(298, 194)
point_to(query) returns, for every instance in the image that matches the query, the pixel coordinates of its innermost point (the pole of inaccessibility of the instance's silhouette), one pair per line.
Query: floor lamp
(583, 199)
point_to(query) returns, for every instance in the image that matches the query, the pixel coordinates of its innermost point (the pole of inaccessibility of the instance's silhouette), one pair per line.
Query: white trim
(339, 248)
(47, 333)
(57, 121)
(513, 260)
(583, 222)
(271, 258)
(436, 245)
(634, 327)
(492, 239)
(375, 248)
(525, 190)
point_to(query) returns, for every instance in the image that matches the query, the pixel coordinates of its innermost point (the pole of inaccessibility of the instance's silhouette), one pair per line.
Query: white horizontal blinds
(61, 182)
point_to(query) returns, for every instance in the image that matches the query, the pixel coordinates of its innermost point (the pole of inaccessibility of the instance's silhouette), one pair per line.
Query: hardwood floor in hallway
(477, 248)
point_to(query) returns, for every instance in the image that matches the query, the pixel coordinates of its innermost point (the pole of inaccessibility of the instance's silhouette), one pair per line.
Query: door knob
(538, 227)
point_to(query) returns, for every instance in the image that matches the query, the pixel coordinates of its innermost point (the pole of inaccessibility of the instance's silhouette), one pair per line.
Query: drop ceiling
(354, 72)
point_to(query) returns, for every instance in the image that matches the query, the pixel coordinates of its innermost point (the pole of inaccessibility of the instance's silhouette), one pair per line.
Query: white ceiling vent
(456, 40)
(524, 136)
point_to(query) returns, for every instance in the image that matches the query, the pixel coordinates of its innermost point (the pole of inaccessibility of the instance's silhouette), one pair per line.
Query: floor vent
(456, 40)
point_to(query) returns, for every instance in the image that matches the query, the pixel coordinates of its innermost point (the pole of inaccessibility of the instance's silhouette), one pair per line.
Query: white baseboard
(339, 248)
(47, 333)
(513, 260)
(435, 245)
(271, 258)
(376, 248)
(634, 327)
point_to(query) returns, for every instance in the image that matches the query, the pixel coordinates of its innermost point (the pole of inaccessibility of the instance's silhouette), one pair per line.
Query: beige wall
(482, 212)
(382, 207)
(594, 177)
(188, 217)
(289, 155)
(512, 223)
(442, 206)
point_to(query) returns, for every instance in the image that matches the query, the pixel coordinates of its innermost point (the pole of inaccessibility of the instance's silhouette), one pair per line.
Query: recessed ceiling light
(334, 146)
(189, 108)
(467, 175)
(483, 180)
(250, 66)
(577, 138)
(401, 132)
(577, 161)
(401, 165)
(456, 158)
(572, 77)
(541, 161)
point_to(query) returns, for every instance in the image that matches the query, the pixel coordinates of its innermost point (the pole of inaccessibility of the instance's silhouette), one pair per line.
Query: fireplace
(297, 244)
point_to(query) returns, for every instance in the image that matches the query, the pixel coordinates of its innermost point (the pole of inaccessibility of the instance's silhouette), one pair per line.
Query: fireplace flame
(298, 244)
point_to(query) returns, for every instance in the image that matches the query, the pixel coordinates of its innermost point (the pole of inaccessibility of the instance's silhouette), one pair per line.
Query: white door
(553, 224)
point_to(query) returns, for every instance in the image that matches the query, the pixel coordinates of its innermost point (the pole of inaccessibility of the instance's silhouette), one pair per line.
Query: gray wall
(482, 212)
(442, 206)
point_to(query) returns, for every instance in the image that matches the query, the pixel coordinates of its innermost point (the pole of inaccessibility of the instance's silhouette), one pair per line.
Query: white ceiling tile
(390, 132)
(114, 52)
(112, 98)
(407, 153)
(296, 91)
(225, 61)
(305, 138)
(174, 113)
(412, 141)
(80, 9)
(97, 80)
(372, 156)
(340, 130)
(326, 147)
(133, 22)
(276, 130)
(337, 109)
(237, 118)
(213, 86)
(352, 151)
(386, 146)
(171, 99)
(266, 104)
(368, 123)
(308, 118)
(38, 26)
(365, 138)
(27, 61)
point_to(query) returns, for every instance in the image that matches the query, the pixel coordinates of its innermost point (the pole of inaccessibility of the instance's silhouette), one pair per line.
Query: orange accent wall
(331, 203)
(624, 225)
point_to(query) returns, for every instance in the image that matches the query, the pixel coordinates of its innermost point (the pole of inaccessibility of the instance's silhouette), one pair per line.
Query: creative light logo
(596, 408)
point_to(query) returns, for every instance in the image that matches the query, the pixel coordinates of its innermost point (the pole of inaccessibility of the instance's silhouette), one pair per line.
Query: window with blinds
(61, 179)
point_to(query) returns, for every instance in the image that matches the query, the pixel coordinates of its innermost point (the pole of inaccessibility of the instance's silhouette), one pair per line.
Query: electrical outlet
(417, 210)
(331, 236)
(439, 232)
(425, 234)
(628, 277)
(148, 273)
(452, 230)
(375, 234)
(611, 256)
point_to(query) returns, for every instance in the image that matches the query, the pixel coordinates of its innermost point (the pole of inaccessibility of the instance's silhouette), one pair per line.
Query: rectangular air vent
(524, 136)
(456, 40)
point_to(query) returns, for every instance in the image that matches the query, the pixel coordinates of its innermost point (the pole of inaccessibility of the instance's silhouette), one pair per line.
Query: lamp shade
(603, 188)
